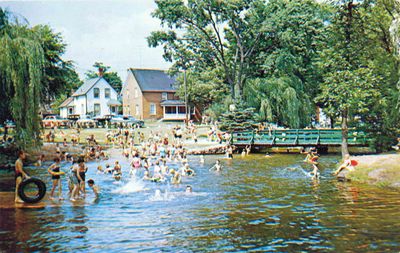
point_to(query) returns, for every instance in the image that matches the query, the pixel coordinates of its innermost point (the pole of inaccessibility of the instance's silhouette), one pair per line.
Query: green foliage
(22, 61)
(59, 76)
(203, 89)
(111, 77)
(32, 74)
(215, 34)
(277, 100)
(239, 119)
(359, 69)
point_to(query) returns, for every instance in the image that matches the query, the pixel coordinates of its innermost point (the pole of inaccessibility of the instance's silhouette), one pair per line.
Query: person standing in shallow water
(54, 170)
(20, 174)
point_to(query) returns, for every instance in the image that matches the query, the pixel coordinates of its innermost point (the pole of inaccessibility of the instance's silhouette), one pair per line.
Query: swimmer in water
(315, 172)
(188, 171)
(108, 169)
(310, 155)
(146, 176)
(202, 159)
(217, 166)
(55, 172)
(176, 177)
(117, 171)
(95, 188)
(188, 189)
(100, 169)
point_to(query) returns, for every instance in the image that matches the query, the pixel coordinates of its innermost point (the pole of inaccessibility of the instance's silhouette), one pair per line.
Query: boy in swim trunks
(20, 174)
(95, 188)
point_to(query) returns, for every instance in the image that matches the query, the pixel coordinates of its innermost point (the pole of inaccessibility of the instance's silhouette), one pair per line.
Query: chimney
(101, 72)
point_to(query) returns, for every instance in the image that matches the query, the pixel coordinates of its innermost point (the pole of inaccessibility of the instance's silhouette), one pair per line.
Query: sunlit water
(255, 204)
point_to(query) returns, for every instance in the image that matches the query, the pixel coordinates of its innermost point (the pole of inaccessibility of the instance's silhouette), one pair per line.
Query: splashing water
(134, 185)
(158, 196)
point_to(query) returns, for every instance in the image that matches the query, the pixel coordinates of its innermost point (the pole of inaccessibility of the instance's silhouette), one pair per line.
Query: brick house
(150, 94)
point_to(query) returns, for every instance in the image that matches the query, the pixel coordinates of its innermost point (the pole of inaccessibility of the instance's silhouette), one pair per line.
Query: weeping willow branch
(21, 70)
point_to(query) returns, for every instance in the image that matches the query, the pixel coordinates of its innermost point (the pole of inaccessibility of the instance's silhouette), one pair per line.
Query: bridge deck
(298, 137)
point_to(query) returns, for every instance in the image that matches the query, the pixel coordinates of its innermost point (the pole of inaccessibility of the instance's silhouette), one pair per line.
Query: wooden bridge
(298, 137)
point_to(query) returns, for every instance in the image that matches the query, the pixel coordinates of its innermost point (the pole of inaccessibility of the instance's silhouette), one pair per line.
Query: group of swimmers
(149, 157)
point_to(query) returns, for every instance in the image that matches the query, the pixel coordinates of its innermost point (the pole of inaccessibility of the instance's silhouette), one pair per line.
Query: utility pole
(186, 97)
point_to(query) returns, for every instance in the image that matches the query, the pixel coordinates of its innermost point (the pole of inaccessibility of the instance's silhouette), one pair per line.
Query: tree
(59, 76)
(214, 34)
(22, 62)
(203, 89)
(285, 76)
(111, 77)
(357, 67)
(32, 74)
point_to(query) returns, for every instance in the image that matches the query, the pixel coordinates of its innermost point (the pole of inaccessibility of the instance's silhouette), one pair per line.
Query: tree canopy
(32, 74)
(287, 58)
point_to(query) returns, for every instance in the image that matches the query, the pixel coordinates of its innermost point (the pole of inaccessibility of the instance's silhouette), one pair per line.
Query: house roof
(172, 103)
(153, 80)
(86, 86)
(67, 102)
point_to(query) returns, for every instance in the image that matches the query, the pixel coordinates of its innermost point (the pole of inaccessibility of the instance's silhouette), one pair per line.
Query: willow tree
(21, 72)
(285, 71)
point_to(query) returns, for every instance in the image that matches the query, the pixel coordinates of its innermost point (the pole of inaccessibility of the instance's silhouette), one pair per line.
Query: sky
(110, 31)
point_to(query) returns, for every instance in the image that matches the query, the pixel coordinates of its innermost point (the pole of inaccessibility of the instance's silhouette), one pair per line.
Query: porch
(175, 110)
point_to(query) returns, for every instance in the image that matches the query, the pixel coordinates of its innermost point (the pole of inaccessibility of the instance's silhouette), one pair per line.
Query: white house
(95, 97)
(67, 107)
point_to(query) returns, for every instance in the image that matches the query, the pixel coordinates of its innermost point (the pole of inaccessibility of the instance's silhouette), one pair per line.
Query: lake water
(255, 204)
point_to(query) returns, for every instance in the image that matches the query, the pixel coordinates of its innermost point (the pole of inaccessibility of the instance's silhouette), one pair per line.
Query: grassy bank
(381, 170)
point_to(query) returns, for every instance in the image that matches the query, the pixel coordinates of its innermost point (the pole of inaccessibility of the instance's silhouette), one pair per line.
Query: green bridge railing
(299, 137)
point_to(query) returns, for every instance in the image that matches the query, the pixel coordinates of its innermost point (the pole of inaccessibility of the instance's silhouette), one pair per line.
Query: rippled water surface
(255, 204)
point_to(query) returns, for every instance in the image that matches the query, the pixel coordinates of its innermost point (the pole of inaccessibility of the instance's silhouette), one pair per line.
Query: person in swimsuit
(345, 165)
(82, 169)
(95, 188)
(55, 173)
(217, 166)
(117, 171)
(20, 174)
(73, 180)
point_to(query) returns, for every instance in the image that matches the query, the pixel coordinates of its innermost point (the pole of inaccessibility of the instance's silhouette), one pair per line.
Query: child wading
(55, 172)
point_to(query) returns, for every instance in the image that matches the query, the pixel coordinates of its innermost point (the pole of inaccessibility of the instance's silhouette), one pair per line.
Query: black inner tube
(41, 190)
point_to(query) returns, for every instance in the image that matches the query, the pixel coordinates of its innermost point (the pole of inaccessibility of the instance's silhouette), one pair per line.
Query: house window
(137, 109)
(181, 110)
(96, 109)
(153, 109)
(170, 110)
(136, 93)
(107, 93)
(164, 96)
(70, 110)
(113, 109)
(96, 92)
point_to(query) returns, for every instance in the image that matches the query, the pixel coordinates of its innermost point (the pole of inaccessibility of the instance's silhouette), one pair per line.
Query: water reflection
(253, 204)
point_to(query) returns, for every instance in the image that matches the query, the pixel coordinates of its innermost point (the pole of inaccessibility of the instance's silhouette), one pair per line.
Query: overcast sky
(110, 31)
